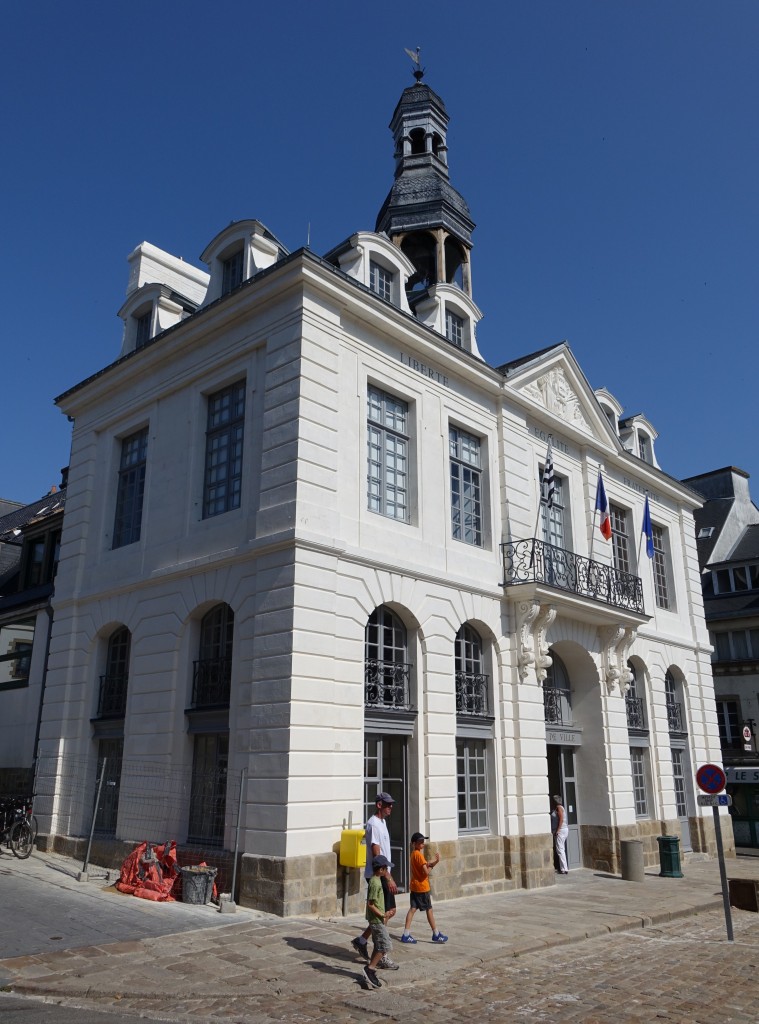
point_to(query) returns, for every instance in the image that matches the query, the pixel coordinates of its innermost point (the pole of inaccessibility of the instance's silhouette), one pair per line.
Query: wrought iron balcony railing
(211, 680)
(113, 695)
(636, 718)
(386, 684)
(557, 704)
(535, 561)
(471, 693)
(674, 716)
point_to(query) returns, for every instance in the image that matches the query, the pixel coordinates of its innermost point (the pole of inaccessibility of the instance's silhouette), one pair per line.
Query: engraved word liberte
(426, 371)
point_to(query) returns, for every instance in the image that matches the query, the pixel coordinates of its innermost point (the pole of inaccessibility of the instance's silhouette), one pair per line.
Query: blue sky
(608, 152)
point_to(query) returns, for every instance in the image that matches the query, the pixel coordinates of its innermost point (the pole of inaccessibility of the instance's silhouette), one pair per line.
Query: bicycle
(15, 830)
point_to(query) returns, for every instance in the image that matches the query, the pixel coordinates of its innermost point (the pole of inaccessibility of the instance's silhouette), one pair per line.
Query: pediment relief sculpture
(555, 393)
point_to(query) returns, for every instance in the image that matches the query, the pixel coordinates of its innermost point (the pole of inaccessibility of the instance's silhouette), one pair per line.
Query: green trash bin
(669, 856)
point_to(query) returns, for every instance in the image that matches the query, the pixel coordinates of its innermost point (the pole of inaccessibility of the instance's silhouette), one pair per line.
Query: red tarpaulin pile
(150, 872)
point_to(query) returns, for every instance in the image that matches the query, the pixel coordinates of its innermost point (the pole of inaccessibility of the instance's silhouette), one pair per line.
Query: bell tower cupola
(423, 214)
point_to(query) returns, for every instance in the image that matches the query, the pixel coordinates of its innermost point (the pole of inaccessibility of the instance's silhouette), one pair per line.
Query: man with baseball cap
(378, 844)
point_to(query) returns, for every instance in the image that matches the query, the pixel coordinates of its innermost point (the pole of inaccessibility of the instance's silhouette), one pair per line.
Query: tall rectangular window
(131, 490)
(472, 785)
(553, 518)
(232, 269)
(619, 540)
(728, 720)
(16, 643)
(678, 774)
(208, 797)
(223, 475)
(638, 764)
(387, 455)
(466, 486)
(380, 280)
(661, 588)
(454, 328)
(142, 332)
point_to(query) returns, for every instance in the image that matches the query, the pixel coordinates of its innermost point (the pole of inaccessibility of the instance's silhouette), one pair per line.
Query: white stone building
(304, 538)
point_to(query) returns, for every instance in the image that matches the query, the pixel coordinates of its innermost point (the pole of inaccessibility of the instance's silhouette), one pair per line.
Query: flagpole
(548, 462)
(593, 533)
(643, 532)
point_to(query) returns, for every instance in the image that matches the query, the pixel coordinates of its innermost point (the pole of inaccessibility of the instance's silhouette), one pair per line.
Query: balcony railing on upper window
(113, 694)
(557, 704)
(211, 682)
(674, 716)
(386, 684)
(636, 718)
(471, 693)
(535, 561)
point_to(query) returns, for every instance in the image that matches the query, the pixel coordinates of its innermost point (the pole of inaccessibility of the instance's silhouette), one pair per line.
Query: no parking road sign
(711, 778)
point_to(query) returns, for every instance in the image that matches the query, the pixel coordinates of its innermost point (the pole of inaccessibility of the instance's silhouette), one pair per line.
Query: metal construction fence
(116, 803)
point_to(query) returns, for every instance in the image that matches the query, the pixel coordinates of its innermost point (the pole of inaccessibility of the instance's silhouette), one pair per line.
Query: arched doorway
(388, 725)
(562, 738)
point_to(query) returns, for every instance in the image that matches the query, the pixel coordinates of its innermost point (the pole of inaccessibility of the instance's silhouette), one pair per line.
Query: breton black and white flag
(548, 484)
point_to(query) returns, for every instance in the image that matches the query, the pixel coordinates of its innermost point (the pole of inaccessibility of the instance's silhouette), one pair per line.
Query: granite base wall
(316, 885)
(470, 866)
(601, 849)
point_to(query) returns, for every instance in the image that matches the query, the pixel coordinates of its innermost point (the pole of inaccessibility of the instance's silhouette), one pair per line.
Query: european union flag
(648, 530)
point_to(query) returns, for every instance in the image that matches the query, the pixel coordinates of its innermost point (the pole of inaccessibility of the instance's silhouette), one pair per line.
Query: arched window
(557, 693)
(674, 704)
(213, 670)
(471, 681)
(418, 144)
(386, 668)
(421, 249)
(454, 262)
(634, 702)
(113, 685)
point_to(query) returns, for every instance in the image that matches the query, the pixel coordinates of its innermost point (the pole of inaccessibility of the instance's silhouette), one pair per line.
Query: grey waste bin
(669, 856)
(632, 860)
(197, 884)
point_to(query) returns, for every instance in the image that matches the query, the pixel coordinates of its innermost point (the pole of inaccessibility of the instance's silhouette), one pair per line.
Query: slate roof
(731, 606)
(747, 548)
(20, 517)
(713, 514)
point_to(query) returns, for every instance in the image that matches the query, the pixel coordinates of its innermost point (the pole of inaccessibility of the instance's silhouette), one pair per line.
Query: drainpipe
(49, 610)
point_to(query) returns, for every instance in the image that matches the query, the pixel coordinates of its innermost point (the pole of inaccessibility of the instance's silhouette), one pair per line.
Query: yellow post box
(352, 848)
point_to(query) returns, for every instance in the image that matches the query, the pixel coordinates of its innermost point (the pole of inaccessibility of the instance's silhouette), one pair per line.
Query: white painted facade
(305, 561)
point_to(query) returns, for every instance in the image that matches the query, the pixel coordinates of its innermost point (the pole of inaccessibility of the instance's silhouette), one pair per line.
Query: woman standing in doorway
(560, 833)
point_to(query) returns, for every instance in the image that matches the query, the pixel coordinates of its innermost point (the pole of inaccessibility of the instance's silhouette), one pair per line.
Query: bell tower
(423, 214)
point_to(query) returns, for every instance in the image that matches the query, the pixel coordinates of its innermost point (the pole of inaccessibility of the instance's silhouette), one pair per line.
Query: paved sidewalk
(257, 957)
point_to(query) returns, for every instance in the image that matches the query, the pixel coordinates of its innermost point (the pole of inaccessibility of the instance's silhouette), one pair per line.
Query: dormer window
(644, 448)
(380, 280)
(232, 270)
(454, 328)
(142, 329)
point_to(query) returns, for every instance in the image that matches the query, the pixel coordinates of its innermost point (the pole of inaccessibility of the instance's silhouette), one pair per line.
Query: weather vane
(417, 60)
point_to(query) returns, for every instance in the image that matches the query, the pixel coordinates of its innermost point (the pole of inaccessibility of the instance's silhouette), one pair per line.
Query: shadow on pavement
(322, 948)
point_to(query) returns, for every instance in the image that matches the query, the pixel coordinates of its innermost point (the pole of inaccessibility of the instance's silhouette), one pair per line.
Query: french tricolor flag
(602, 506)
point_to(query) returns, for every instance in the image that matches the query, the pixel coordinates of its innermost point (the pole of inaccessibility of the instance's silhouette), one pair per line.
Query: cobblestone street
(684, 972)
(593, 949)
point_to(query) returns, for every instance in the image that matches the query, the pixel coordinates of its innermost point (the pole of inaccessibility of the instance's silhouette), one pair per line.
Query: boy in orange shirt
(420, 890)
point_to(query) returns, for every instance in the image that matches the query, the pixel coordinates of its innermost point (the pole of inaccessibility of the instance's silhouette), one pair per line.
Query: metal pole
(723, 875)
(229, 906)
(82, 876)
(346, 872)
